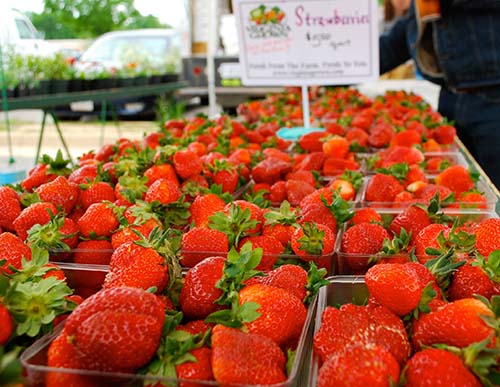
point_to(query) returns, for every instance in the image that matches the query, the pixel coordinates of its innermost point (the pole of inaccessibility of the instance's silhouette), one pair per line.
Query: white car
(18, 34)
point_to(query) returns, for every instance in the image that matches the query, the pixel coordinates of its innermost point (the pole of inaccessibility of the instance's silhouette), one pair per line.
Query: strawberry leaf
(315, 281)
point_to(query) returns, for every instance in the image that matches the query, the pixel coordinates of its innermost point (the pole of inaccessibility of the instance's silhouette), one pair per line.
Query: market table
(47, 102)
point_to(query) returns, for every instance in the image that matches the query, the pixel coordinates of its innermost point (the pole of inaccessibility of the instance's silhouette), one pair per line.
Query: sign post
(307, 42)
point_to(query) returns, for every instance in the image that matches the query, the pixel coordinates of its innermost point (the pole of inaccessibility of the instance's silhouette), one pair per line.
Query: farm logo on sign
(267, 23)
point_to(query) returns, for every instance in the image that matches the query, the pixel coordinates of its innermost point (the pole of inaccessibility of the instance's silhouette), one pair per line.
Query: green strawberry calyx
(235, 224)
(312, 240)
(315, 281)
(284, 216)
(48, 235)
(442, 268)
(490, 266)
(340, 209)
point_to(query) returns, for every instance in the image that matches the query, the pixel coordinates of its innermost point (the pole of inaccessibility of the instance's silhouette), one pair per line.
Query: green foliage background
(87, 19)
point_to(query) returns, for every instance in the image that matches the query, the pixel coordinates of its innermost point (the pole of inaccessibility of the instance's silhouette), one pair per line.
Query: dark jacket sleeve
(393, 46)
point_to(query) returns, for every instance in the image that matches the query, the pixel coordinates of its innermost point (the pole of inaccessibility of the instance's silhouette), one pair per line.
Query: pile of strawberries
(215, 235)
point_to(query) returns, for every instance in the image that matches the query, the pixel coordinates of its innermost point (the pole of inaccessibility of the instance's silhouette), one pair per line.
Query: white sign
(308, 42)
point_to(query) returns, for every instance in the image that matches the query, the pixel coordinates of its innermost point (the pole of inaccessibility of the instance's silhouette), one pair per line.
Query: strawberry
(137, 266)
(458, 323)
(456, 178)
(47, 170)
(395, 286)
(428, 237)
(10, 208)
(84, 175)
(407, 138)
(438, 367)
(282, 315)
(292, 278)
(279, 224)
(117, 329)
(429, 191)
(36, 213)
(99, 220)
(479, 276)
(226, 175)
(161, 171)
(413, 219)
(203, 207)
(345, 189)
(401, 154)
(361, 325)
(487, 236)
(380, 135)
(382, 188)
(96, 192)
(270, 170)
(473, 200)
(335, 146)
(311, 162)
(343, 369)
(365, 215)
(163, 191)
(246, 358)
(311, 241)
(318, 213)
(187, 163)
(200, 243)
(271, 249)
(59, 192)
(296, 190)
(6, 326)
(311, 142)
(360, 241)
(198, 293)
(334, 166)
(96, 252)
(358, 140)
(12, 249)
(444, 134)
(277, 192)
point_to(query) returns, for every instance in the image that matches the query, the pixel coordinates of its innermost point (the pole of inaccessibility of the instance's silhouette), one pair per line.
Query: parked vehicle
(124, 54)
(18, 34)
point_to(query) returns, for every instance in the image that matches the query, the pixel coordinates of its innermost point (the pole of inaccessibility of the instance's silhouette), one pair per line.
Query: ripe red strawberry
(296, 190)
(6, 325)
(12, 249)
(407, 138)
(59, 192)
(47, 170)
(198, 292)
(401, 154)
(395, 286)
(187, 163)
(292, 278)
(256, 213)
(282, 315)
(458, 323)
(137, 266)
(312, 141)
(472, 200)
(163, 191)
(161, 171)
(271, 249)
(270, 170)
(277, 192)
(475, 277)
(129, 233)
(318, 213)
(310, 241)
(310, 162)
(10, 208)
(83, 175)
(380, 135)
(96, 252)
(429, 191)
(360, 241)
(195, 326)
(63, 354)
(246, 358)
(382, 188)
(36, 213)
(380, 368)
(413, 219)
(365, 215)
(199, 369)
(444, 134)
(361, 325)
(428, 237)
(438, 367)
(334, 166)
(96, 192)
(200, 243)
(487, 236)
(336, 146)
(345, 189)
(98, 220)
(456, 178)
(203, 207)
(117, 329)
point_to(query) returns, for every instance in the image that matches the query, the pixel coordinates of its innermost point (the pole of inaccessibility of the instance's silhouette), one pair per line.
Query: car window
(127, 49)
(25, 32)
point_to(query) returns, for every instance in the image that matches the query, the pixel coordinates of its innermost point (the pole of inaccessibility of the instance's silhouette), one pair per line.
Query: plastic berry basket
(84, 280)
(341, 290)
(34, 362)
(357, 264)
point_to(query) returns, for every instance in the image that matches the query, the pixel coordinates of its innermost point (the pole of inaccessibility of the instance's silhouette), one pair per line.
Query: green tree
(90, 18)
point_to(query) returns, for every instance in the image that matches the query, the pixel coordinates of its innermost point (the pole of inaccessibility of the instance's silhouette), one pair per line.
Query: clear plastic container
(84, 280)
(481, 186)
(34, 362)
(357, 264)
(341, 290)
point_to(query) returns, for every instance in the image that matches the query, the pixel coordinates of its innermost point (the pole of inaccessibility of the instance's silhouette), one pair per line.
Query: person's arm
(393, 46)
